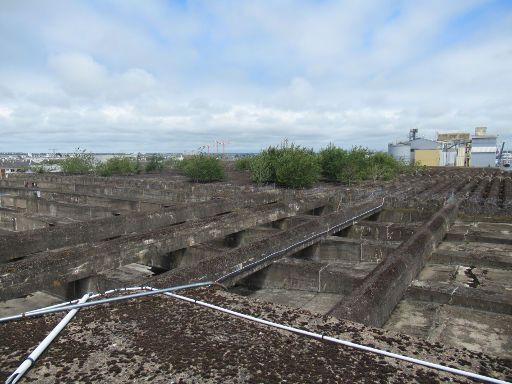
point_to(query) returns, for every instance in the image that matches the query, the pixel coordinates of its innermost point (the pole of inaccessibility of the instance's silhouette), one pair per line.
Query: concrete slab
(489, 279)
(306, 275)
(476, 330)
(30, 302)
(490, 255)
(311, 301)
(412, 317)
(481, 232)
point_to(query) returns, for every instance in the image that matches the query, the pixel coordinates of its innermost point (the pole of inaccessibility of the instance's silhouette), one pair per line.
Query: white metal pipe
(342, 342)
(63, 304)
(31, 359)
(102, 301)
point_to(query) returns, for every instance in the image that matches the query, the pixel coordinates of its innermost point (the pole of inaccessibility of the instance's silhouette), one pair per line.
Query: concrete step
(383, 231)
(307, 275)
(30, 302)
(340, 249)
(456, 294)
(490, 279)
(316, 302)
(477, 330)
(485, 255)
(481, 232)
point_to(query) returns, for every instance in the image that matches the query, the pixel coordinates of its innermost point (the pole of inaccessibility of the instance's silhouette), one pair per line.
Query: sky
(173, 76)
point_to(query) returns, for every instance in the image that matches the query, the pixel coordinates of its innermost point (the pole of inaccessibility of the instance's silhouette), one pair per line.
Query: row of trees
(82, 162)
(200, 168)
(298, 167)
(289, 166)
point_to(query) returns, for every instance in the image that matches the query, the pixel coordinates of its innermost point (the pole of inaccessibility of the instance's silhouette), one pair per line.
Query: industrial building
(483, 148)
(420, 150)
(450, 149)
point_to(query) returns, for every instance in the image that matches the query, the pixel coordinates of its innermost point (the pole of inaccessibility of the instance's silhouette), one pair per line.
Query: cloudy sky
(175, 75)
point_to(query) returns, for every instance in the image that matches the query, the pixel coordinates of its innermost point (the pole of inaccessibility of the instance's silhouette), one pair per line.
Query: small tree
(119, 165)
(297, 167)
(202, 168)
(290, 166)
(383, 166)
(356, 166)
(79, 162)
(155, 163)
(332, 159)
(244, 163)
(263, 166)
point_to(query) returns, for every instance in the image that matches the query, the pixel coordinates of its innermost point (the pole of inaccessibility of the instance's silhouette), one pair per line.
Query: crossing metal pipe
(99, 302)
(31, 359)
(339, 341)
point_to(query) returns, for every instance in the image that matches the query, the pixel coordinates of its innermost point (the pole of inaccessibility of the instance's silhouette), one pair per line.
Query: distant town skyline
(172, 76)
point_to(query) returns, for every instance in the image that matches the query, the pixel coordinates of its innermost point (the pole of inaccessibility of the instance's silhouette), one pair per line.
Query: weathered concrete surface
(456, 294)
(178, 190)
(375, 299)
(307, 275)
(315, 302)
(236, 260)
(28, 303)
(463, 327)
(481, 232)
(335, 248)
(114, 278)
(24, 243)
(13, 221)
(491, 255)
(90, 199)
(382, 231)
(57, 209)
(468, 276)
(57, 267)
(131, 342)
(404, 215)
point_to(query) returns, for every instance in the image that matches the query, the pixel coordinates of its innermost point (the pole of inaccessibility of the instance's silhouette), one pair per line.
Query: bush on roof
(202, 168)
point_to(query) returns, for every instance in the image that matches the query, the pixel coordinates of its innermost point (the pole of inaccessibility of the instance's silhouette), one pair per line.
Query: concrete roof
(161, 339)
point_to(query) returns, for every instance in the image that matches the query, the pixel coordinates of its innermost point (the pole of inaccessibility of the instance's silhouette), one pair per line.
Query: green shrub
(263, 166)
(332, 159)
(383, 166)
(119, 165)
(172, 163)
(358, 164)
(244, 163)
(293, 166)
(79, 162)
(155, 163)
(355, 167)
(297, 168)
(202, 168)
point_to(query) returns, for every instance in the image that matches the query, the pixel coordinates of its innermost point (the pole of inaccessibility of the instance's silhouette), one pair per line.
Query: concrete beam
(90, 199)
(61, 266)
(482, 232)
(133, 188)
(454, 294)
(335, 248)
(382, 231)
(375, 299)
(490, 255)
(306, 275)
(24, 243)
(254, 254)
(53, 208)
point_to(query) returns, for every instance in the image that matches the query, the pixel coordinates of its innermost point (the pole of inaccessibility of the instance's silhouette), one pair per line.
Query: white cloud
(5, 112)
(121, 76)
